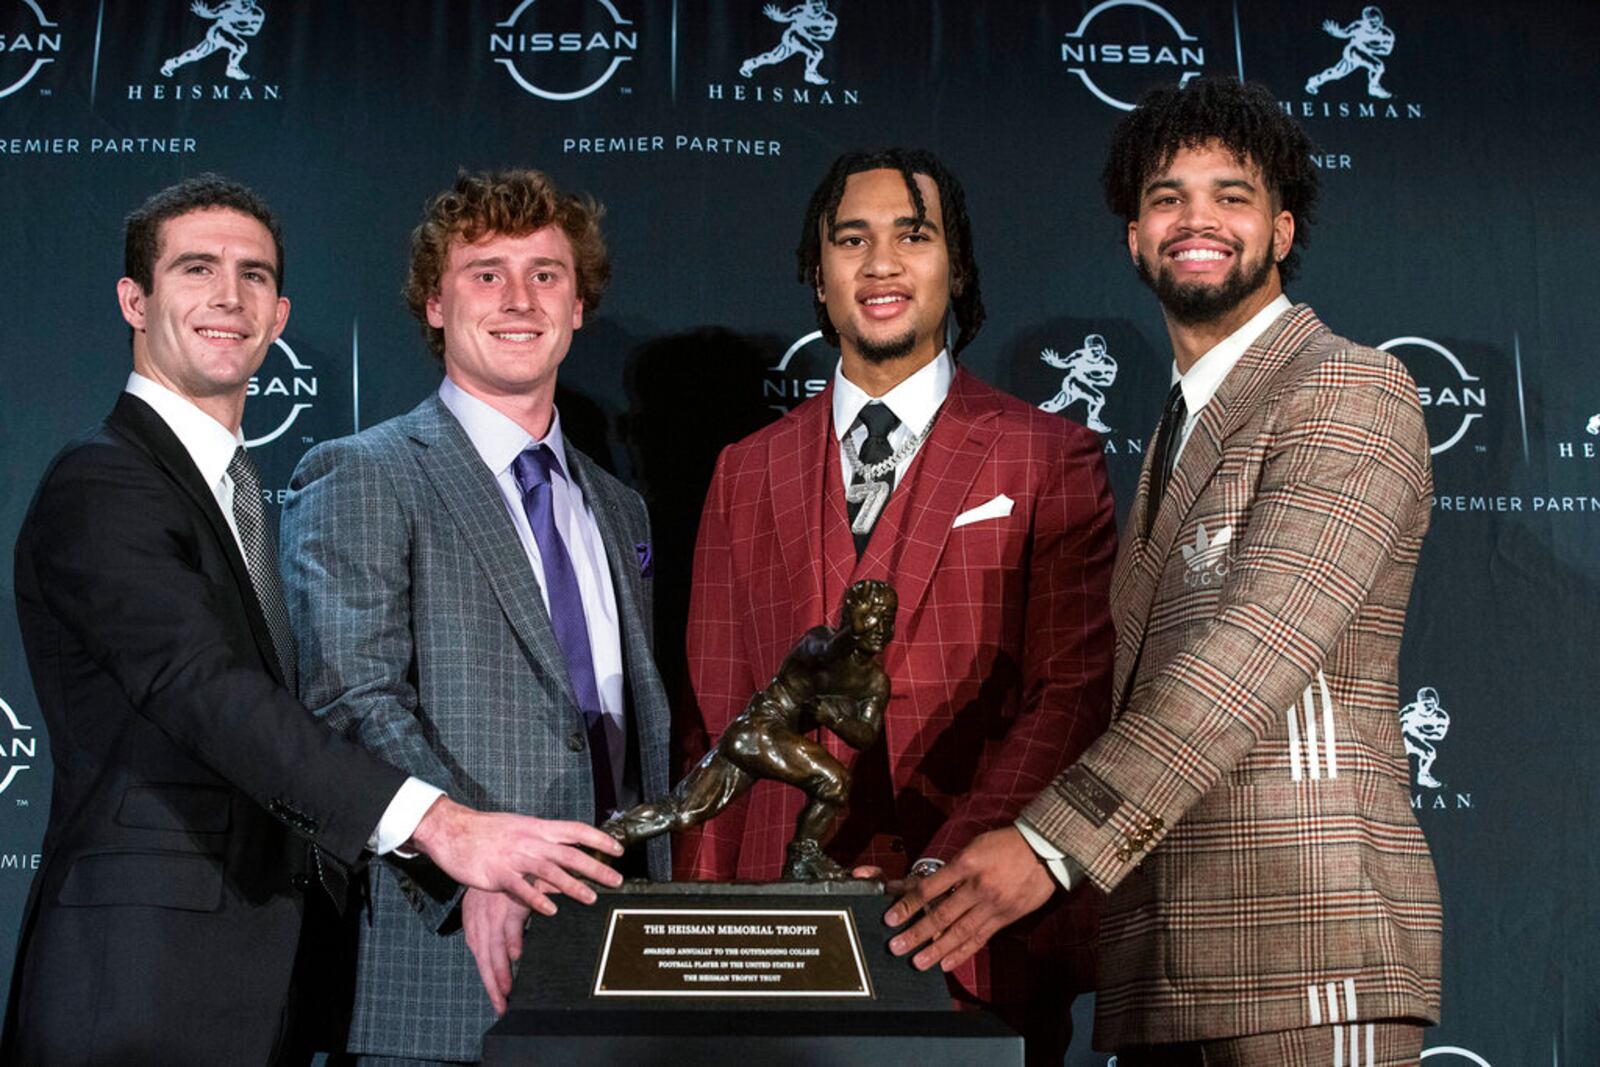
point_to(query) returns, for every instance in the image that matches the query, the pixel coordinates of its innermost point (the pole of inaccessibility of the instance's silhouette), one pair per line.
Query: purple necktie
(532, 471)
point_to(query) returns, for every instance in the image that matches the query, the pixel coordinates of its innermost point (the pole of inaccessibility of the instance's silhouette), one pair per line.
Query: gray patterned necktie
(261, 558)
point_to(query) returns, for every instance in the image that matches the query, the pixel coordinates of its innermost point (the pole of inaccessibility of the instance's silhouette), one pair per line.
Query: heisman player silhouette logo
(232, 22)
(1089, 370)
(1369, 39)
(1422, 722)
(807, 27)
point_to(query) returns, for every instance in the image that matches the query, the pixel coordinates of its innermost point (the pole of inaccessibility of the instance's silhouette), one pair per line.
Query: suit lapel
(473, 500)
(1138, 573)
(138, 422)
(621, 555)
(938, 481)
(797, 462)
(622, 560)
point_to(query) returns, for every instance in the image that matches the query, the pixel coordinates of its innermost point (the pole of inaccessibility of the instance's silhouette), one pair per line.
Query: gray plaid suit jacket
(423, 635)
(1248, 810)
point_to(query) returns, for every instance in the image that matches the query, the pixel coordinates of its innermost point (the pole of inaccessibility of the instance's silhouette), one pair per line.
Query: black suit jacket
(162, 924)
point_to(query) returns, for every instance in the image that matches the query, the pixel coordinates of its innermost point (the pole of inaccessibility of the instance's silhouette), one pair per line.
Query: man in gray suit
(472, 597)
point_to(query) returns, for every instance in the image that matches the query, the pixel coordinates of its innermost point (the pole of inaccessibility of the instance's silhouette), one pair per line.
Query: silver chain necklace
(869, 490)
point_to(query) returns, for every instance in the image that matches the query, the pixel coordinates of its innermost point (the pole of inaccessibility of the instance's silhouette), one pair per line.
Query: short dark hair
(1245, 118)
(141, 246)
(966, 298)
(510, 202)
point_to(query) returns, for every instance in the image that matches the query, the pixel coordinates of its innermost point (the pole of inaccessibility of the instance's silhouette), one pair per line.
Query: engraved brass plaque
(725, 952)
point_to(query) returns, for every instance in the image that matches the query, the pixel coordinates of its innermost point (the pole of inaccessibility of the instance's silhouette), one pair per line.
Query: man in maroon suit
(994, 523)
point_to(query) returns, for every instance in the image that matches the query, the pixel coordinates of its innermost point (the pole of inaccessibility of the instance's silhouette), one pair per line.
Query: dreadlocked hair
(1245, 119)
(966, 299)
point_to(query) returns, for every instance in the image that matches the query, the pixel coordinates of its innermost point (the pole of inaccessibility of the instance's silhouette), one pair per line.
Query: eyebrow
(500, 261)
(1220, 183)
(209, 258)
(901, 223)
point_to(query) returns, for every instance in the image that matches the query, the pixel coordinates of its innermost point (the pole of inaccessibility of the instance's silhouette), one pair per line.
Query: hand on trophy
(831, 678)
(530, 859)
(993, 882)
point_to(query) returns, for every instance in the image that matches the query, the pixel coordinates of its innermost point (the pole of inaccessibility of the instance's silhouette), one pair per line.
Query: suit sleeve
(346, 560)
(1345, 479)
(720, 682)
(1067, 644)
(117, 562)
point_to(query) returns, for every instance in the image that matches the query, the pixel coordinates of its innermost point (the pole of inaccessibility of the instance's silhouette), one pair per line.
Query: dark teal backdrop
(1458, 228)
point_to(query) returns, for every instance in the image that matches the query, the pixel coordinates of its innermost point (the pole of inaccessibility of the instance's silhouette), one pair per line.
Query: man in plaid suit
(994, 523)
(1271, 899)
(472, 595)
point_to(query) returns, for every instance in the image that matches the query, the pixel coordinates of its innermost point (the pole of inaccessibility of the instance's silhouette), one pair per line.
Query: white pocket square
(998, 508)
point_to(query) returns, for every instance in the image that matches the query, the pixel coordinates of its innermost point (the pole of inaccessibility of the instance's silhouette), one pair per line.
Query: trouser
(1380, 1044)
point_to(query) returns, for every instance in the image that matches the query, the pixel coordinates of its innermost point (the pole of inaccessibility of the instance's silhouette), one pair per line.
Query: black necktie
(880, 422)
(261, 558)
(1167, 435)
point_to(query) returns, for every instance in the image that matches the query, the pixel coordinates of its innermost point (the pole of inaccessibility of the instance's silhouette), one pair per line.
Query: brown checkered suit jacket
(1248, 810)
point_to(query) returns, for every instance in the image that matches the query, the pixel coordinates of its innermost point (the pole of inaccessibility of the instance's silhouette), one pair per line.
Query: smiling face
(885, 278)
(1209, 236)
(212, 310)
(508, 307)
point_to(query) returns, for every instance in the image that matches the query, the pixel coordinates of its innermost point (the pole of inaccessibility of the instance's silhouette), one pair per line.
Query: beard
(884, 351)
(1191, 304)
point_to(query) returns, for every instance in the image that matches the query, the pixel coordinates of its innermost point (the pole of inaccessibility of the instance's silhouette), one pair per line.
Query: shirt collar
(914, 401)
(1208, 372)
(209, 443)
(495, 436)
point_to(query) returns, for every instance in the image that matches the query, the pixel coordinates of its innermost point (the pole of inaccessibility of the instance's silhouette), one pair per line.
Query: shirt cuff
(1063, 868)
(411, 802)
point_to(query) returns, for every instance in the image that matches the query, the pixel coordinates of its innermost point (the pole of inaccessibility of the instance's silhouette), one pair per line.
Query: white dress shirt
(914, 401)
(499, 441)
(211, 446)
(1205, 377)
(1208, 372)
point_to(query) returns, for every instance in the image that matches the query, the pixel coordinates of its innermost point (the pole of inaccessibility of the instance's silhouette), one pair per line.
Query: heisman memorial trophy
(686, 971)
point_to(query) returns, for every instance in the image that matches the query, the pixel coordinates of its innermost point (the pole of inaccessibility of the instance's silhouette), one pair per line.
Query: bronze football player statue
(831, 678)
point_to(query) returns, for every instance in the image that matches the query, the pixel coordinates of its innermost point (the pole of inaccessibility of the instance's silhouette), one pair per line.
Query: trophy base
(690, 972)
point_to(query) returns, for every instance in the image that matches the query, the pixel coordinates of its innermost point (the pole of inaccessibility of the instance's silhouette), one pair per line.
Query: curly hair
(966, 298)
(512, 203)
(141, 239)
(1246, 119)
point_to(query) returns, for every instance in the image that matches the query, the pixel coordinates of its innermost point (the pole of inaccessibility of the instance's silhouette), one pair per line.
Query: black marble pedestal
(752, 974)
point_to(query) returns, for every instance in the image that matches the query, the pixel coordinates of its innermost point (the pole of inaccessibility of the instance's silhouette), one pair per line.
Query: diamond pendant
(871, 496)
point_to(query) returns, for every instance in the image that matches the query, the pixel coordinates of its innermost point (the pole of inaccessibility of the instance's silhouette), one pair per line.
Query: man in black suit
(196, 802)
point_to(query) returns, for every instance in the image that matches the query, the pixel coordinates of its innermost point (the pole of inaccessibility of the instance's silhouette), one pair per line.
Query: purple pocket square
(647, 559)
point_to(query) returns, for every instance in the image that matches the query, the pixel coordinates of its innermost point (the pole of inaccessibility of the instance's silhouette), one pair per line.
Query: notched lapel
(473, 500)
(139, 422)
(939, 479)
(799, 449)
(1139, 576)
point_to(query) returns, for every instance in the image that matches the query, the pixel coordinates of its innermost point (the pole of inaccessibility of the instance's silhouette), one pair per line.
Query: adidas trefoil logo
(1207, 559)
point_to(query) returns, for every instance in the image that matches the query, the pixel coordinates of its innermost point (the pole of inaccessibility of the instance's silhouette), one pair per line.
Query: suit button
(575, 741)
(300, 882)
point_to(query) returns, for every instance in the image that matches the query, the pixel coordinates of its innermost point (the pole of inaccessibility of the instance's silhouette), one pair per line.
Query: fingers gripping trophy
(831, 679)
